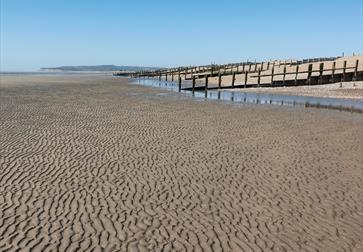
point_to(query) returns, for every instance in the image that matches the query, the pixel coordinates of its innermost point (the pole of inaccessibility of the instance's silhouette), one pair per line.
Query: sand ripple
(92, 166)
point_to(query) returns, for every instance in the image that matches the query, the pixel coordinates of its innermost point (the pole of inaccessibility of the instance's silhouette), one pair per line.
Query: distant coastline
(54, 73)
(97, 68)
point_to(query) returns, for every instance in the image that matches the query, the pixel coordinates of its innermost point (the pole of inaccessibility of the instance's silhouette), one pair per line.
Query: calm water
(260, 98)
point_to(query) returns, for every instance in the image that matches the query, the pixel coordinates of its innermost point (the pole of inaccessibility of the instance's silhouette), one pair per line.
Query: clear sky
(36, 33)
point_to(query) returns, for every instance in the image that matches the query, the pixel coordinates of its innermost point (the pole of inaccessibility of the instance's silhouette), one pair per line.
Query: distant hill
(98, 68)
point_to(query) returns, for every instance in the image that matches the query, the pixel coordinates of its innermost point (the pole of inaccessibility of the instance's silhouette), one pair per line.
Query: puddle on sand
(260, 98)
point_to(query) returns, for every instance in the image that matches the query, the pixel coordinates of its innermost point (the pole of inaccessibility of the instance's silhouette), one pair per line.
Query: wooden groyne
(248, 74)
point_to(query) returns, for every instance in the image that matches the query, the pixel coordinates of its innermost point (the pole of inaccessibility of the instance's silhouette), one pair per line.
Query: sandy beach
(97, 164)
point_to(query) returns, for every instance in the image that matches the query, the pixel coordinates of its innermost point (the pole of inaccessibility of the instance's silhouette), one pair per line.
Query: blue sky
(40, 33)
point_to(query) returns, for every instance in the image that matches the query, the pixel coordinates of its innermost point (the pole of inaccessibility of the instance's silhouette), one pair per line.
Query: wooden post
(206, 82)
(159, 76)
(166, 76)
(321, 70)
(272, 76)
(243, 67)
(219, 79)
(284, 76)
(172, 76)
(193, 85)
(297, 71)
(262, 66)
(344, 70)
(255, 66)
(333, 72)
(259, 78)
(180, 82)
(268, 65)
(233, 79)
(310, 69)
(246, 76)
(355, 77)
(249, 67)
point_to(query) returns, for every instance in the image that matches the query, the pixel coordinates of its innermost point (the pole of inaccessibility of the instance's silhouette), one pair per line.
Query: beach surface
(96, 164)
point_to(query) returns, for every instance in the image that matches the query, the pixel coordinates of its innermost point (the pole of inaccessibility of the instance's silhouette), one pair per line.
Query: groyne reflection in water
(261, 98)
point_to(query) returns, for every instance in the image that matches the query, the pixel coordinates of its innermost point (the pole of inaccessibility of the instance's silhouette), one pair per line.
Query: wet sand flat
(96, 164)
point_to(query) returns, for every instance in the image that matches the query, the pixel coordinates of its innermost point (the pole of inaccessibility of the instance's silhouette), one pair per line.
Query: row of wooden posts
(231, 66)
(309, 73)
(205, 72)
(226, 69)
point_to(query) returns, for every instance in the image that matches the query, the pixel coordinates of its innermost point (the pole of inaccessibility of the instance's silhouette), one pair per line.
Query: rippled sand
(95, 164)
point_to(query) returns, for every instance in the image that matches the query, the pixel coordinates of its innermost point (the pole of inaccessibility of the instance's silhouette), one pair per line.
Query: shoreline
(271, 99)
(347, 91)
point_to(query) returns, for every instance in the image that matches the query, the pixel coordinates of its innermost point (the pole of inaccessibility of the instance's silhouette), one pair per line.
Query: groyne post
(246, 76)
(355, 77)
(296, 74)
(219, 79)
(272, 75)
(310, 70)
(321, 70)
(284, 75)
(344, 70)
(333, 72)
(193, 84)
(179, 83)
(206, 82)
(233, 79)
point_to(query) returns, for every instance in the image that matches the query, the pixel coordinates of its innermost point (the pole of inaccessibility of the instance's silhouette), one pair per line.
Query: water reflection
(260, 98)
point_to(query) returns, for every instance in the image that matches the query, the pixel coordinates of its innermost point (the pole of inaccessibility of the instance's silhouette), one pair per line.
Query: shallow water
(260, 98)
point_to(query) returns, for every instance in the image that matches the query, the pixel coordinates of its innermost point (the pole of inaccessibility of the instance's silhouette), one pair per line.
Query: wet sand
(95, 164)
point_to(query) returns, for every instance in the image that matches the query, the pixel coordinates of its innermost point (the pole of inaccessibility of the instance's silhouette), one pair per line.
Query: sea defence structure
(261, 74)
